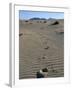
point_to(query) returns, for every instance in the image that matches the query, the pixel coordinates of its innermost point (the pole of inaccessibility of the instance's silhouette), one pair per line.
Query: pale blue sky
(40, 14)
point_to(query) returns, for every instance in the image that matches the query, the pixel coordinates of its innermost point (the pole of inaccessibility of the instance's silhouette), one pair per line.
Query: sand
(41, 45)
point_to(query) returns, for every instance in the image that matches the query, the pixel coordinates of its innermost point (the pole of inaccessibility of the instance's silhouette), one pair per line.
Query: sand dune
(41, 45)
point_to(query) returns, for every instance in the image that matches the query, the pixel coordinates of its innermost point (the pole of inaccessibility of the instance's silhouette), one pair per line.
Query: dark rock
(55, 23)
(45, 70)
(39, 75)
(26, 21)
(20, 34)
(61, 33)
(45, 22)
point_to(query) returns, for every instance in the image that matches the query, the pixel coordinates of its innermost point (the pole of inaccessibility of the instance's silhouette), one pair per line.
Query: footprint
(46, 48)
(53, 70)
(44, 57)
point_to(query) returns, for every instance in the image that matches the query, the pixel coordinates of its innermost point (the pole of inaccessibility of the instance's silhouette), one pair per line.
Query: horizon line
(40, 18)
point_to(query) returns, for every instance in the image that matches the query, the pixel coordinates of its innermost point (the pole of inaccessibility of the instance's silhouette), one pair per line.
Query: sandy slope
(41, 45)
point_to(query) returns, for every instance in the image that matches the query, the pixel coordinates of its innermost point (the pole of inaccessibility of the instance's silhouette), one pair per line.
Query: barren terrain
(41, 45)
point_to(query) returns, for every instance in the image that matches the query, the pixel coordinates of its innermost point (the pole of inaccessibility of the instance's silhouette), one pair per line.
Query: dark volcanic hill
(36, 18)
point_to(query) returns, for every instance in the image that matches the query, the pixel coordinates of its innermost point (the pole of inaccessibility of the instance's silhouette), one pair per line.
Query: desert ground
(41, 48)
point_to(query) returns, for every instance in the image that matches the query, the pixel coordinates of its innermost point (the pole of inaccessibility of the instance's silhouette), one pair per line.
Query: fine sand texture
(41, 46)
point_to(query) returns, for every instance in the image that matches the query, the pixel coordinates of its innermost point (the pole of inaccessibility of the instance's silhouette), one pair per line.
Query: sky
(40, 14)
